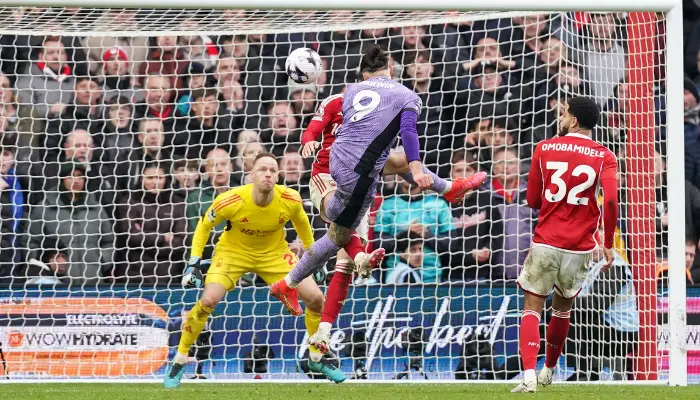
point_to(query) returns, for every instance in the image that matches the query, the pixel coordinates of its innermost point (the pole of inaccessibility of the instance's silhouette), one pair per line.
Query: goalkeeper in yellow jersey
(253, 241)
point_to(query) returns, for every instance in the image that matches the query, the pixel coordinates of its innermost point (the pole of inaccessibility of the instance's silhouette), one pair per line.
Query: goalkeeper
(253, 241)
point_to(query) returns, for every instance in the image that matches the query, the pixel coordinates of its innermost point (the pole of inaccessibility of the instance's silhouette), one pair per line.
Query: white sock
(448, 187)
(325, 327)
(290, 282)
(358, 258)
(529, 375)
(180, 358)
(315, 356)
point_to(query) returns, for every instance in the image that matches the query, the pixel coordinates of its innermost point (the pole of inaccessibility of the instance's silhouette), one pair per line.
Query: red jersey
(325, 123)
(565, 176)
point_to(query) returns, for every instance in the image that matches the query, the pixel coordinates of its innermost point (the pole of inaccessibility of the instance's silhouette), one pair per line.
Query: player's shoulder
(287, 194)
(230, 198)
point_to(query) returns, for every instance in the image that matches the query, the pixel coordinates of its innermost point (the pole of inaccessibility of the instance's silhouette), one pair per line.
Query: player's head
(375, 62)
(265, 172)
(580, 115)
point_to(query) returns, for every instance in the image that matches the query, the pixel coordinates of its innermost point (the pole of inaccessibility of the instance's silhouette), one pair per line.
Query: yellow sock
(312, 321)
(196, 319)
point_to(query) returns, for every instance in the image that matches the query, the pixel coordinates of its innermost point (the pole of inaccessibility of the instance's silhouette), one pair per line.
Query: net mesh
(120, 126)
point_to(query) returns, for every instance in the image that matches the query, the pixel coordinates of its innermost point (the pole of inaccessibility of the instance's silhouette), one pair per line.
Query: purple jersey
(371, 123)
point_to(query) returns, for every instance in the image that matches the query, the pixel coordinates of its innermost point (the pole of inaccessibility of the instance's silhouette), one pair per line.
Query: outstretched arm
(409, 139)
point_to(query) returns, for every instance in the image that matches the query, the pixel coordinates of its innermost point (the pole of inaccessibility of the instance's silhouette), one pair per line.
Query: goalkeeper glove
(192, 277)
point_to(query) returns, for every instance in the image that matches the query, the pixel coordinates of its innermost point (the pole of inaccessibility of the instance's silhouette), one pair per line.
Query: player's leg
(311, 295)
(570, 278)
(336, 294)
(536, 280)
(355, 248)
(454, 191)
(346, 208)
(215, 288)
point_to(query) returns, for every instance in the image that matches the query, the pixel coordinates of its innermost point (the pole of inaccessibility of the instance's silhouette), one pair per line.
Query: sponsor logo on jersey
(258, 232)
(244, 221)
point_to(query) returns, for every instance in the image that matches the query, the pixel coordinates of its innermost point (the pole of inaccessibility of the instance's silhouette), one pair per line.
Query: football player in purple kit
(375, 112)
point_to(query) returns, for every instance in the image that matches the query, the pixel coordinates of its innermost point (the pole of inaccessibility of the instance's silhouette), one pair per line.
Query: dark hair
(464, 156)
(374, 59)
(265, 154)
(689, 241)
(185, 163)
(585, 110)
(405, 240)
(203, 93)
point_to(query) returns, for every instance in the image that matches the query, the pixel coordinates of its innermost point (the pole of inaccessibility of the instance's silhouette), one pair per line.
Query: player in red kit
(563, 183)
(352, 257)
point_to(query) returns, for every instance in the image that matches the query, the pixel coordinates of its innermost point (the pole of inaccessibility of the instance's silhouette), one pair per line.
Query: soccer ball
(303, 65)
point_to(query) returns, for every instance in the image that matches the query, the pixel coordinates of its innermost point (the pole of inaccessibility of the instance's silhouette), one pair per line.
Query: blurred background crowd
(113, 147)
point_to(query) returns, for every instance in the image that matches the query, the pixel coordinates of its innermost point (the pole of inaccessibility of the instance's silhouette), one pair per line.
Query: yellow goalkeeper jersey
(251, 229)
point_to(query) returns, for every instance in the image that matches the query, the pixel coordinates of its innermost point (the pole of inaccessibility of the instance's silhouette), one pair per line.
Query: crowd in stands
(113, 147)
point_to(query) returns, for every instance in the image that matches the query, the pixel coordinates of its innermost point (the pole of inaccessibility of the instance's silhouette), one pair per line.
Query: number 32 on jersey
(571, 194)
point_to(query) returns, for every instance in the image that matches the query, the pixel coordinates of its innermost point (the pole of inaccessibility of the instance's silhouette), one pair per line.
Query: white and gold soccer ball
(303, 65)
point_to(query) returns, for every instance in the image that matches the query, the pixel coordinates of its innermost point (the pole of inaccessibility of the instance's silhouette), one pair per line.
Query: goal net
(120, 126)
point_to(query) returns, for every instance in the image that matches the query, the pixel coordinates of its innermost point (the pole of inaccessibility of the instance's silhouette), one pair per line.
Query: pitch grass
(327, 391)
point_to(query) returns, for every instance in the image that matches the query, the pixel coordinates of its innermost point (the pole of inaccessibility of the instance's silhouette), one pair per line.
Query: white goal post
(110, 313)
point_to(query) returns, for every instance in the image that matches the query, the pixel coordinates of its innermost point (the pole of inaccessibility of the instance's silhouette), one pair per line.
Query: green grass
(141, 391)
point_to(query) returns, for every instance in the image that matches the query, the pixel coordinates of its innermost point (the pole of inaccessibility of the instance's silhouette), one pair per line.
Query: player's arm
(535, 182)
(221, 209)
(608, 181)
(322, 118)
(411, 146)
(300, 220)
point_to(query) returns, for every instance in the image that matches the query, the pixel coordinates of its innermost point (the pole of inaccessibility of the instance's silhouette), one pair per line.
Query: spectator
(281, 127)
(13, 227)
(218, 168)
(692, 211)
(244, 163)
(158, 101)
(18, 116)
(478, 230)
(604, 58)
(409, 264)
(437, 112)
(167, 59)
(343, 50)
(199, 49)
(661, 206)
(692, 271)
(691, 99)
(117, 138)
(105, 176)
(153, 219)
(203, 130)
(186, 177)
(236, 112)
(303, 99)
(489, 88)
(75, 218)
(196, 78)
(508, 196)
(51, 269)
(84, 113)
(149, 150)
(117, 78)
(49, 85)
(426, 215)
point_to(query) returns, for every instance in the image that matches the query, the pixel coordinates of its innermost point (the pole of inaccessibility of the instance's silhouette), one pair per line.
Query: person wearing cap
(117, 78)
(73, 216)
